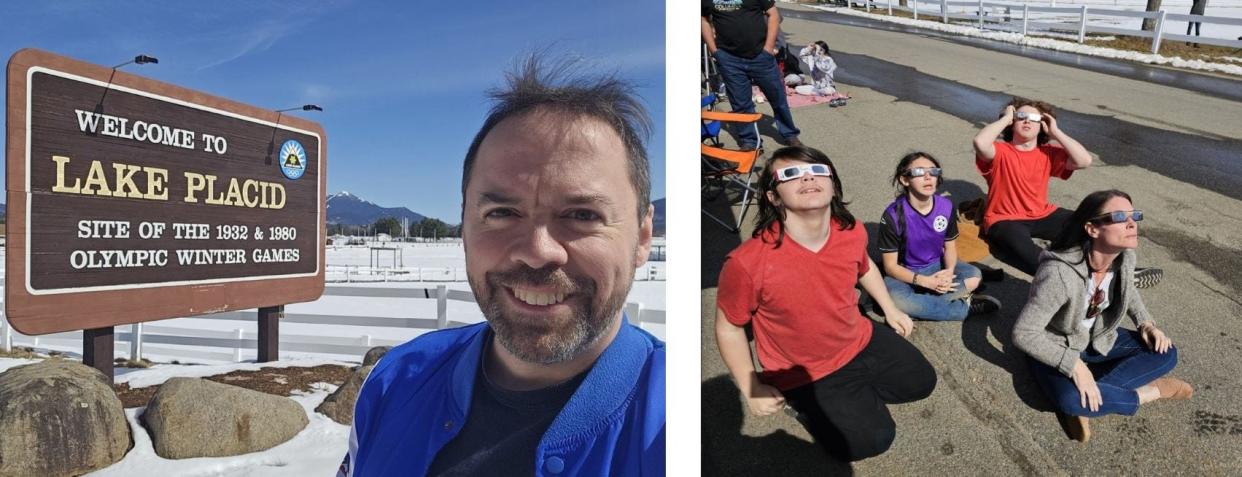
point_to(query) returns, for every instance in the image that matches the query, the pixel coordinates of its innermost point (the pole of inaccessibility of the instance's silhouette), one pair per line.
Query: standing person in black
(1196, 8)
(741, 36)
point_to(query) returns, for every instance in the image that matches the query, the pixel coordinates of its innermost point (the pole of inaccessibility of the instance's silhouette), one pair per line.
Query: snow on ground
(1050, 43)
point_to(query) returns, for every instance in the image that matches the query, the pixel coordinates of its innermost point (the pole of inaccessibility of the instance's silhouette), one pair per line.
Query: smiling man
(555, 219)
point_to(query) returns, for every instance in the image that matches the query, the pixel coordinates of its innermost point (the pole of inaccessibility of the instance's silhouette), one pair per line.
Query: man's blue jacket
(417, 397)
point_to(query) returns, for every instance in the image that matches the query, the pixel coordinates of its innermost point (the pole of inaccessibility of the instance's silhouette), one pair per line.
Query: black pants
(1014, 237)
(847, 411)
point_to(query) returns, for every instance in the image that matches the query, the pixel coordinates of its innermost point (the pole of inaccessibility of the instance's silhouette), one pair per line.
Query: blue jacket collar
(597, 398)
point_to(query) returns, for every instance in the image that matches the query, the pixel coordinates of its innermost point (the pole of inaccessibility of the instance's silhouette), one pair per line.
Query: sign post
(133, 200)
(269, 332)
(97, 346)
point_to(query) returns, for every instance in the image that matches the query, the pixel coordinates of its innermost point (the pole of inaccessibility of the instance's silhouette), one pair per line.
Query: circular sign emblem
(941, 223)
(292, 159)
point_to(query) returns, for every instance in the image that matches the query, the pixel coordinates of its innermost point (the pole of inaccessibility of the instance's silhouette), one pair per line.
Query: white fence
(363, 273)
(140, 336)
(1022, 18)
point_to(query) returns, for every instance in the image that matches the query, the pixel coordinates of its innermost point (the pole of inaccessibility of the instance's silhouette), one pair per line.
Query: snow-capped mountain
(349, 209)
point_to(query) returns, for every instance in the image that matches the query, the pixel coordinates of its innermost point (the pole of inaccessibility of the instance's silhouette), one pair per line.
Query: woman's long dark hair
(1018, 102)
(904, 165)
(1074, 234)
(770, 212)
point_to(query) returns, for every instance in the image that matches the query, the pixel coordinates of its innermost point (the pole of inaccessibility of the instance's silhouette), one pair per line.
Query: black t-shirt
(741, 26)
(502, 429)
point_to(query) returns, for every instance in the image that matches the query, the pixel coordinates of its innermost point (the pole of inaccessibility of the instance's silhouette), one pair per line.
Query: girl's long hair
(770, 213)
(1074, 234)
(1018, 102)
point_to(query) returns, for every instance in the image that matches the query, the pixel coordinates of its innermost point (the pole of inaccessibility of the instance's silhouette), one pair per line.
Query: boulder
(59, 418)
(339, 406)
(374, 354)
(191, 417)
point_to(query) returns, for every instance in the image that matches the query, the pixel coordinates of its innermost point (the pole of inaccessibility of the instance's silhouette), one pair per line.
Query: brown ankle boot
(1076, 427)
(1173, 388)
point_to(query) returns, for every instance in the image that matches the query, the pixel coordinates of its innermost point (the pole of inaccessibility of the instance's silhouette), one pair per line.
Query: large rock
(374, 354)
(339, 406)
(59, 418)
(191, 417)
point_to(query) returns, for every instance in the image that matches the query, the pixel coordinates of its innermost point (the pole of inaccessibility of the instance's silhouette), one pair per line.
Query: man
(743, 42)
(556, 216)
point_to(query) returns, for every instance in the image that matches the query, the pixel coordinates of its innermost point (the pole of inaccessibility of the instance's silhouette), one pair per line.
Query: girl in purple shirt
(917, 234)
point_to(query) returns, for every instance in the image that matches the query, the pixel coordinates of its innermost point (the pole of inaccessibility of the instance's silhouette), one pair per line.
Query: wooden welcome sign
(134, 200)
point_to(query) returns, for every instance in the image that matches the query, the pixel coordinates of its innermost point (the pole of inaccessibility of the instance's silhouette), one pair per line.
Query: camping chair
(713, 82)
(721, 165)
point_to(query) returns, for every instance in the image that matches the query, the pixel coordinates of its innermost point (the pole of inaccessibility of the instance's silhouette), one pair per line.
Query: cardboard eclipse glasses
(785, 174)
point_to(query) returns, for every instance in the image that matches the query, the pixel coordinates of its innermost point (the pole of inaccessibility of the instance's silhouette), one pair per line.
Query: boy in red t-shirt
(793, 282)
(1017, 171)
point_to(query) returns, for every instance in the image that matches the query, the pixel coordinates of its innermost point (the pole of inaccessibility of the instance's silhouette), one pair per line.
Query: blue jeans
(738, 73)
(924, 304)
(1126, 367)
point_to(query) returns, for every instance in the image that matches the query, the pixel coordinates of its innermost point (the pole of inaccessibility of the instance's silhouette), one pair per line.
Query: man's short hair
(560, 89)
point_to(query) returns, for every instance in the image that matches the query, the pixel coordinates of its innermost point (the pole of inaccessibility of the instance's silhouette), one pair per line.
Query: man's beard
(536, 339)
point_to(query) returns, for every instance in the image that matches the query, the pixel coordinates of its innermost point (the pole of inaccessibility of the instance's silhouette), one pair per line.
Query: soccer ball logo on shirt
(941, 223)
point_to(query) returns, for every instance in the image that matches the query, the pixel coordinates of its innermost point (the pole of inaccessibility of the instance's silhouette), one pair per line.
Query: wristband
(916, 280)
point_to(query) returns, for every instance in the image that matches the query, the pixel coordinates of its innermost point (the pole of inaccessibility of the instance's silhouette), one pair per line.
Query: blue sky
(402, 84)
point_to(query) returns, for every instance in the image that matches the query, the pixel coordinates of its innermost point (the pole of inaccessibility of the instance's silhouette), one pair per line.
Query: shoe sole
(1148, 278)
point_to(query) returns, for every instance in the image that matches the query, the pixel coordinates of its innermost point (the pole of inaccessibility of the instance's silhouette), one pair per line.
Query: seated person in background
(818, 63)
(1017, 168)
(1071, 323)
(793, 281)
(918, 234)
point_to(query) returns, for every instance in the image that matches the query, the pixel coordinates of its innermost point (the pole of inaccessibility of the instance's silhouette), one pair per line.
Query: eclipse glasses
(793, 172)
(922, 171)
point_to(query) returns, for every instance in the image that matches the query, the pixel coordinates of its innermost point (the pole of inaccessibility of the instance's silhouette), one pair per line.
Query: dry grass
(21, 352)
(278, 381)
(1209, 53)
(131, 363)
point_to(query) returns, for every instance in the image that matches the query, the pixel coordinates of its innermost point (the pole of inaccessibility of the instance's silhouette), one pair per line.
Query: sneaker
(1147, 277)
(982, 304)
(1076, 427)
(832, 103)
(1173, 388)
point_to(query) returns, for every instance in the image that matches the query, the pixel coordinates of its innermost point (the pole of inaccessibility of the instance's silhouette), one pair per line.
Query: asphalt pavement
(1176, 150)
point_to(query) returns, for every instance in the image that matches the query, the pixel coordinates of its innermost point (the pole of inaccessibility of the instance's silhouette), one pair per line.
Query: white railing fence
(363, 273)
(1073, 21)
(233, 342)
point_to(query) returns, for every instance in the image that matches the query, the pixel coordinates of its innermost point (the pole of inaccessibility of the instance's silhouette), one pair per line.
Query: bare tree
(1149, 24)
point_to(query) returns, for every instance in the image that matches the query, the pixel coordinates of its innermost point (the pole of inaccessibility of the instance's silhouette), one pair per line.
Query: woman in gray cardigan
(1071, 323)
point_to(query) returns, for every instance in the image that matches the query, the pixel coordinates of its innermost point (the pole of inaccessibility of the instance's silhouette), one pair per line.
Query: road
(1176, 150)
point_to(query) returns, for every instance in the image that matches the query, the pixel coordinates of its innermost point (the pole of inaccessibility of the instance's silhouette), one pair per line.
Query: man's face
(551, 233)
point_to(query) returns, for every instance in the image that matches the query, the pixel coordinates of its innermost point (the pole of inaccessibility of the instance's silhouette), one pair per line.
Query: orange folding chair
(723, 166)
